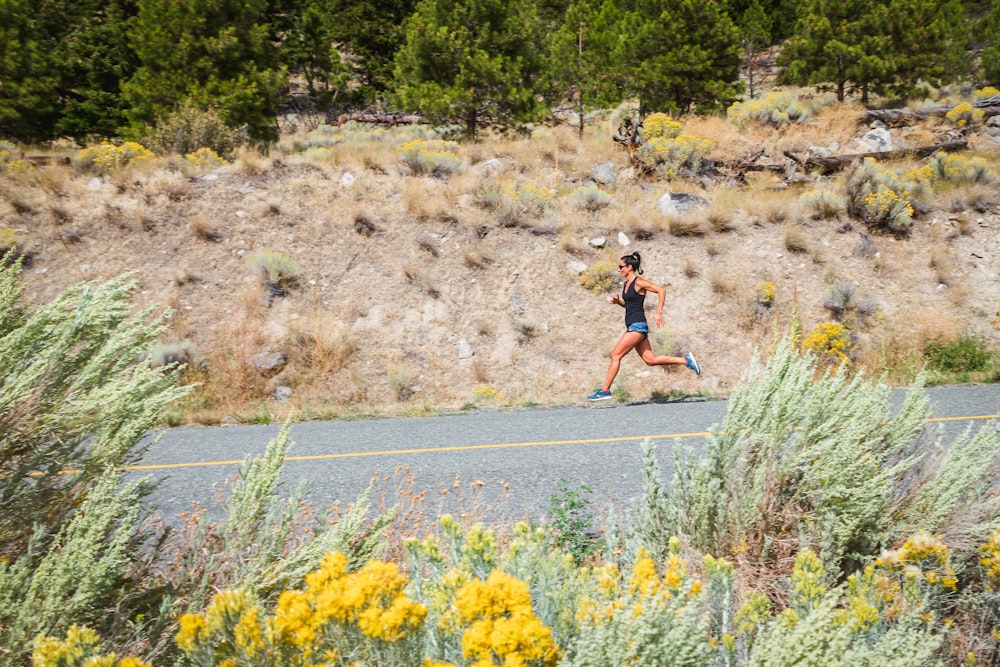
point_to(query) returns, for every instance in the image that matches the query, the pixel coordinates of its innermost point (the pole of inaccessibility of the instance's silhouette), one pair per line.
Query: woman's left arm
(661, 298)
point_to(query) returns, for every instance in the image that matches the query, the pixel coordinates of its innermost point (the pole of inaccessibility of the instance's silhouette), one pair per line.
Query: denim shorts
(639, 327)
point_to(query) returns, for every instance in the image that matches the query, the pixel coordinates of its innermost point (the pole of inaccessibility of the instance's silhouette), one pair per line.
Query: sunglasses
(622, 266)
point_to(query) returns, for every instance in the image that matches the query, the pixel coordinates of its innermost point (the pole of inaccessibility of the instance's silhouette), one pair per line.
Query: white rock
(622, 239)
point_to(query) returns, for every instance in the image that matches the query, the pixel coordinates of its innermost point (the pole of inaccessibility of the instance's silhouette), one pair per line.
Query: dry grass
(203, 229)
(723, 282)
(796, 238)
(684, 225)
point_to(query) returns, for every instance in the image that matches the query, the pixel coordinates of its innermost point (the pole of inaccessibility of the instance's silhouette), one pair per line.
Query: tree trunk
(835, 163)
(897, 117)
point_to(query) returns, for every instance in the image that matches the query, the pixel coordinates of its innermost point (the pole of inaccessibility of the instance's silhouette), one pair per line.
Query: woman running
(636, 336)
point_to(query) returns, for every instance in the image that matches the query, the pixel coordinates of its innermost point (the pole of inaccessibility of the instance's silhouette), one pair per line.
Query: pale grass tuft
(691, 268)
(429, 245)
(683, 225)
(422, 198)
(476, 256)
(185, 276)
(169, 185)
(796, 238)
(715, 248)
(944, 265)
(250, 161)
(203, 229)
(723, 282)
(720, 221)
(323, 343)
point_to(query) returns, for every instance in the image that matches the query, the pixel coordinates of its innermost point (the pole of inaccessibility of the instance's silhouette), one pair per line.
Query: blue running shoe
(599, 395)
(692, 363)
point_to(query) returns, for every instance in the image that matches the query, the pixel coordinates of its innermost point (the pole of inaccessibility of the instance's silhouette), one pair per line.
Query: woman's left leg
(645, 351)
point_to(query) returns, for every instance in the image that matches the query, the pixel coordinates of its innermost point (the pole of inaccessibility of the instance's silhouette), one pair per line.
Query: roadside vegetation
(821, 527)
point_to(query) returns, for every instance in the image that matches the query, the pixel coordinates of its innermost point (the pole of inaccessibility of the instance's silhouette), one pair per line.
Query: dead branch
(896, 117)
(836, 162)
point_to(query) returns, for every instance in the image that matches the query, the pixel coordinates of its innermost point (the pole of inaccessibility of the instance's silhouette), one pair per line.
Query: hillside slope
(415, 295)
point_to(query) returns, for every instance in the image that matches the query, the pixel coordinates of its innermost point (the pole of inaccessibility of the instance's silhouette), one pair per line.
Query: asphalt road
(528, 450)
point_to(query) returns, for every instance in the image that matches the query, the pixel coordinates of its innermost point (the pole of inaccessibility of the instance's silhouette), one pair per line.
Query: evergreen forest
(87, 70)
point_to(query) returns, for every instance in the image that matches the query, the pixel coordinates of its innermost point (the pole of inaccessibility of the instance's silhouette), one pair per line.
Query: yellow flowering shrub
(107, 157)
(765, 293)
(8, 164)
(956, 168)
(775, 108)
(881, 198)
(529, 198)
(433, 157)
(204, 157)
(600, 276)
(985, 93)
(924, 557)
(831, 340)
(500, 625)
(654, 615)
(338, 618)
(483, 393)
(668, 156)
(81, 648)
(989, 558)
(964, 115)
(659, 125)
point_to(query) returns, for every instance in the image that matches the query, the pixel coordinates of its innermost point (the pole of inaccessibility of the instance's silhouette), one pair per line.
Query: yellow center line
(467, 448)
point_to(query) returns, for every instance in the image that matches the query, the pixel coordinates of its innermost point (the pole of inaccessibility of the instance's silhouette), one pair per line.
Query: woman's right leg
(624, 345)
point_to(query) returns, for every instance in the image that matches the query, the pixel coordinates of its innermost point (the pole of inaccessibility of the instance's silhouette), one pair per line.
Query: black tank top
(634, 310)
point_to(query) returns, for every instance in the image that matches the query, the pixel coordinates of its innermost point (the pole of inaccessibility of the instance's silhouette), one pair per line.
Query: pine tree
(988, 34)
(680, 55)
(372, 32)
(26, 102)
(755, 41)
(475, 62)
(865, 46)
(88, 47)
(309, 50)
(579, 52)
(215, 53)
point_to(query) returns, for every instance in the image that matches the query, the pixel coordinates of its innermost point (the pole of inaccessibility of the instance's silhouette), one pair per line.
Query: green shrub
(600, 276)
(107, 157)
(777, 477)
(879, 197)
(570, 521)
(76, 407)
(433, 157)
(188, 129)
(964, 355)
(276, 270)
(955, 168)
(777, 108)
(589, 198)
(669, 156)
